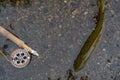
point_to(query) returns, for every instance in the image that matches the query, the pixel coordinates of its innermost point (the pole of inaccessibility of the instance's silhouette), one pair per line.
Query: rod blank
(16, 40)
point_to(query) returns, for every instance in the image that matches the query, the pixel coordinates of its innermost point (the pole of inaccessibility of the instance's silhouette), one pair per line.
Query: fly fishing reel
(20, 58)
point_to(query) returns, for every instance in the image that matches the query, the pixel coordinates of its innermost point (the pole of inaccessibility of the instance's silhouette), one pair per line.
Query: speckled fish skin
(92, 41)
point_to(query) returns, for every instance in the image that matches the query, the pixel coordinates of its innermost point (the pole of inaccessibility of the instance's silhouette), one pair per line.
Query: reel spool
(20, 58)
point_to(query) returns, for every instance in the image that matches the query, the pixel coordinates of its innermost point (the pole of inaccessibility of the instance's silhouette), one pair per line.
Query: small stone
(107, 4)
(49, 45)
(86, 12)
(74, 12)
(59, 35)
(108, 61)
(112, 11)
(50, 18)
(104, 49)
(73, 16)
(60, 26)
(65, 1)
(98, 63)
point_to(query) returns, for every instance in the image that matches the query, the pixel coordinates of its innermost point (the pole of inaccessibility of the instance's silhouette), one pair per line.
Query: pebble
(60, 26)
(104, 49)
(112, 11)
(86, 12)
(65, 1)
(59, 35)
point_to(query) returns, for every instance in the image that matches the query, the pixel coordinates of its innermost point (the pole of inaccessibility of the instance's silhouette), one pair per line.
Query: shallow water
(58, 30)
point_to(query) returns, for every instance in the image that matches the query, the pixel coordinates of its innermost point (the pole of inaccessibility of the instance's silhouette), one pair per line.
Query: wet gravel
(57, 29)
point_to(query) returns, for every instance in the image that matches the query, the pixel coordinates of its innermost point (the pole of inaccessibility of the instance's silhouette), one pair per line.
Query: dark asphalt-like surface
(57, 29)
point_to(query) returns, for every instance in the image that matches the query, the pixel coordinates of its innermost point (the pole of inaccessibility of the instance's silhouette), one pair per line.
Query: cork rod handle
(13, 38)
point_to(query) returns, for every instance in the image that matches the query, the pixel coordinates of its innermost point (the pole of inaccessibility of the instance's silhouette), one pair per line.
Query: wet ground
(57, 29)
